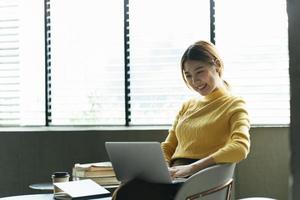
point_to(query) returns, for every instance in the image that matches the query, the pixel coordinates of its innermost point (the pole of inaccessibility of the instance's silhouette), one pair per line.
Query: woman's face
(202, 77)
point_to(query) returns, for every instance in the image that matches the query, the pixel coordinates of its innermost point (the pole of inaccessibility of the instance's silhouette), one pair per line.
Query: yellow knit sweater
(217, 125)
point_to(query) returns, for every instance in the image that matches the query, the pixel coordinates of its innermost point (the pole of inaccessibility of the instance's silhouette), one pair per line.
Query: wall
(266, 170)
(294, 52)
(31, 157)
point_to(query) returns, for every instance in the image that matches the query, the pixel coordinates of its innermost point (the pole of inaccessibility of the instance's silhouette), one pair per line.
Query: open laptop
(142, 160)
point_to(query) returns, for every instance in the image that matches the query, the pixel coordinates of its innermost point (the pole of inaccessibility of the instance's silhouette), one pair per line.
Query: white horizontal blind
(9, 63)
(160, 31)
(252, 36)
(21, 63)
(87, 62)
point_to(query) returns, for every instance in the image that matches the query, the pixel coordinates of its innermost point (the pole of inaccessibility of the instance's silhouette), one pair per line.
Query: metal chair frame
(227, 185)
(214, 182)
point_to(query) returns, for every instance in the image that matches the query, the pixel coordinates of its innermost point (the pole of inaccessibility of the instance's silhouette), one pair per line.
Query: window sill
(81, 128)
(111, 128)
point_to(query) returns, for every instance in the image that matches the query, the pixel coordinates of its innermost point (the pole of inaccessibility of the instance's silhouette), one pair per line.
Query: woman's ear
(217, 62)
(218, 70)
(218, 66)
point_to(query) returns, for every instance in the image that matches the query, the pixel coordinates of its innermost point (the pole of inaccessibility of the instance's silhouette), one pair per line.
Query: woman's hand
(188, 170)
(181, 171)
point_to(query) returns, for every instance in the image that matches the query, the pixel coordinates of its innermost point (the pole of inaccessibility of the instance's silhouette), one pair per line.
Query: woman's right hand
(181, 171)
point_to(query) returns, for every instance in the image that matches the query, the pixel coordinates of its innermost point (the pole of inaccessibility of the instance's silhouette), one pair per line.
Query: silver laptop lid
(142, 160)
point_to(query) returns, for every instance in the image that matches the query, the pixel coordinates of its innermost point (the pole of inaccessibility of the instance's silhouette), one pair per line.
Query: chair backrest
(212, 183)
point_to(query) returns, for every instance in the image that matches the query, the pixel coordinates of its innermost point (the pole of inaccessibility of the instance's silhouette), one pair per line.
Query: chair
(257, 198)
(212, 183)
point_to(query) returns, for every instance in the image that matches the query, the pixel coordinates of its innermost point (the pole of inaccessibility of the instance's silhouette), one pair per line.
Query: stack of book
(101, 172)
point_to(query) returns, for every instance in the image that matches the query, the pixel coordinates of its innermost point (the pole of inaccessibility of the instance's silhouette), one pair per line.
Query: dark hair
(205, 52)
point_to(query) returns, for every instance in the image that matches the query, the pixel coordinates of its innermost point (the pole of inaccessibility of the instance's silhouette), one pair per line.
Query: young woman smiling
(206, 131)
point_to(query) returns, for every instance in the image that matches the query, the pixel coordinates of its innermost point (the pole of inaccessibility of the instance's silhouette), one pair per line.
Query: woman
(206, 131)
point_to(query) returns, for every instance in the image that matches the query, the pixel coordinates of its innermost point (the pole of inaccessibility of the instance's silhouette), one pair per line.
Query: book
(82, 189)
(93, 173)
(104, 181)
(93, 166)
(100, 172)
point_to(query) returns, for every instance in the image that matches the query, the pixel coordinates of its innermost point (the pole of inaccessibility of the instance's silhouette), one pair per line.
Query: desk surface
(39, 197)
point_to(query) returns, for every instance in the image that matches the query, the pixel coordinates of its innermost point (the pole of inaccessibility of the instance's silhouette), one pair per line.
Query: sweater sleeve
(170, 144)
(238, 145)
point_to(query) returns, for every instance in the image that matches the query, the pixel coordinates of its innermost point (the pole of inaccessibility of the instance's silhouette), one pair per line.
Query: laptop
(143, 160)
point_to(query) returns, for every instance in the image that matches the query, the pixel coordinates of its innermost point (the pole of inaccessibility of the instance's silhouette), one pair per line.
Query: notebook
(82, 189)
(143, 160)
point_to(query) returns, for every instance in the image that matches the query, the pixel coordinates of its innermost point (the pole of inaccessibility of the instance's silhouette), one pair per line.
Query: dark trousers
(141, 190)
(137, 189)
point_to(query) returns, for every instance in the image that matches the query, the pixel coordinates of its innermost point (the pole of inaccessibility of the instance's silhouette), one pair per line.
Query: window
(117, 62)
(87, 62)
(254, 42)
(157, 42)
(22, 99)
